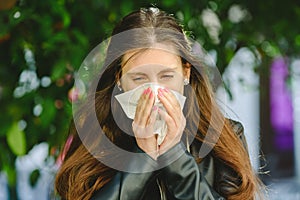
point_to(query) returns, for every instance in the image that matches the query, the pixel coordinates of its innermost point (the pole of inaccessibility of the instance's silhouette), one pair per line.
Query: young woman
(202, 154)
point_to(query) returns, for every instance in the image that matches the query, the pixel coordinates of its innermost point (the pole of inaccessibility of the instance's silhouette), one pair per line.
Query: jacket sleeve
(129, 185)
(182, 176)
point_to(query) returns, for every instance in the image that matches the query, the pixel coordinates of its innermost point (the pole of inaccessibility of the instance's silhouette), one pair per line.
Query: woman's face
(153, 65)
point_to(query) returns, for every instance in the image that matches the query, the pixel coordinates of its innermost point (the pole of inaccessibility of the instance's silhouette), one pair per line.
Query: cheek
(128, 84)
(177, 85)
(179, 89)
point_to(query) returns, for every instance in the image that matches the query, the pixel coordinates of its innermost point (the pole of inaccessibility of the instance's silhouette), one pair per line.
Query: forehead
(154, 56)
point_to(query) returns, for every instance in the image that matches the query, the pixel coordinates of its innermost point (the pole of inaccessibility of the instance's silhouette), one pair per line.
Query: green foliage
(16, 140)
(48, 40)
(34, 176)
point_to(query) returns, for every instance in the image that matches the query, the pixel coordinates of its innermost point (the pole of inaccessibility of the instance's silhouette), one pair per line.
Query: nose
(156, 81)
(153, 79)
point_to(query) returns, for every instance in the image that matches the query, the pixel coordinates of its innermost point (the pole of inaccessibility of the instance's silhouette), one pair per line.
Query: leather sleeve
(183, 178)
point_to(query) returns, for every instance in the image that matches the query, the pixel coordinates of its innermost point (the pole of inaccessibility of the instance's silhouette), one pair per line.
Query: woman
(181, 166)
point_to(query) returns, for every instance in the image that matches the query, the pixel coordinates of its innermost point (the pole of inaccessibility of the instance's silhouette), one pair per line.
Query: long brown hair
(81, 174)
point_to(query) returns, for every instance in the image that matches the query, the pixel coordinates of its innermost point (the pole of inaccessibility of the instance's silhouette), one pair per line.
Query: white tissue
(129, 100)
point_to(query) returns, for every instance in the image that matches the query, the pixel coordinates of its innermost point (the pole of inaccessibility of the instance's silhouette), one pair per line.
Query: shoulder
(238, 129)
(237, 126)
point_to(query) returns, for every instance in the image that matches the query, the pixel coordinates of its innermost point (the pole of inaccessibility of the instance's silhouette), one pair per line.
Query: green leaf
(297, 40)
(49, 111)
(11, 174)
(58, 70)
(169, 3)
(16, 140)
(34, 176)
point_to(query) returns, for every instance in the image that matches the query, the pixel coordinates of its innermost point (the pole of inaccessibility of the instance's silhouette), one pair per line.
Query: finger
(168, 119)
(146, 112)
(173, 128)
(153, 116)
(170, 96)
(147, 131)
(141, 132)
(169, 99)
(144, 106)
(171, 104)
(172, 134)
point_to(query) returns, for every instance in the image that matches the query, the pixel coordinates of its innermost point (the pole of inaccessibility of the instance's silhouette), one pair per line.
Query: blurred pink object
(62, 155)
(73, 94)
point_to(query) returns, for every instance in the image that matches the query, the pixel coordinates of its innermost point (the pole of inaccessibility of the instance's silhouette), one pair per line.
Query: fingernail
(154, 108)
(165, 90)
(151, 94)
(160, 92)
(146, 91)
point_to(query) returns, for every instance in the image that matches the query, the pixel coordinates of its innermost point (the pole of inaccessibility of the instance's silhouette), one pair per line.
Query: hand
(143, 124)
(174, 119)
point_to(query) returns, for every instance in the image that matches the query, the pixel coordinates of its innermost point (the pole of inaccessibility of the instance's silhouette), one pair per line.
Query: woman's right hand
(143, 124)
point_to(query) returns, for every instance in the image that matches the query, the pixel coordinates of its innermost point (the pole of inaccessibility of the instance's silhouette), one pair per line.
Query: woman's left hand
(173, 117)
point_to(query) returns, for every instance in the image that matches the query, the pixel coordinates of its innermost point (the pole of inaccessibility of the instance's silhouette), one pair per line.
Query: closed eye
(139, 78)
(167, 76)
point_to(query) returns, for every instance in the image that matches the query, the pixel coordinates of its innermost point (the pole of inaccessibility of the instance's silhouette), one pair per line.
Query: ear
(118, 83)
(118, 77)
(187, 70)
(118, 80)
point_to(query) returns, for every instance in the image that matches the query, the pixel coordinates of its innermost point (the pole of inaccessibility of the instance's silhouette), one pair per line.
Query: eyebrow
(162, 71)
(135, 73)
(168, 70)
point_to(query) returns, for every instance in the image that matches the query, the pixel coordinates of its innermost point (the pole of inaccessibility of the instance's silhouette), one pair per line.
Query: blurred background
(255, 44)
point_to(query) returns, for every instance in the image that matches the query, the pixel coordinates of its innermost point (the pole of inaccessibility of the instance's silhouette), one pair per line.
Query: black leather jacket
(182, 179)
